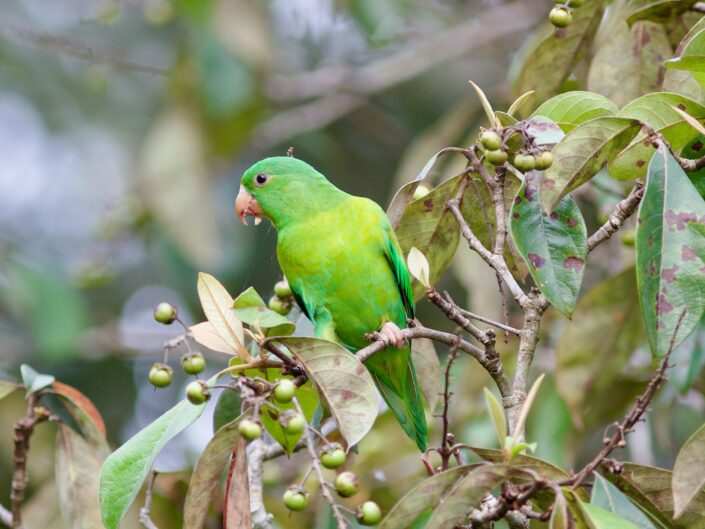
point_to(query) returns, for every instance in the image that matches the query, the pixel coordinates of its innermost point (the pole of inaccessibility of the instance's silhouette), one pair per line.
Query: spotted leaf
(553, 245)
(670, 253)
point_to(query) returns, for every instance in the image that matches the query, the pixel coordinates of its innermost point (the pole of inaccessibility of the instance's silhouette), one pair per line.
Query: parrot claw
(393, 335)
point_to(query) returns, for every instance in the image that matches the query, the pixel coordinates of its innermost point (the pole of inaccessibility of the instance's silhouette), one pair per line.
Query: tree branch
(5, 517)
(256, 453)
(145, 511)
(621, 212)
(325, 490)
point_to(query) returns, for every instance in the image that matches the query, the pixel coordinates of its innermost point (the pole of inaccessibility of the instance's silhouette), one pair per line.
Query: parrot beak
(246, 205)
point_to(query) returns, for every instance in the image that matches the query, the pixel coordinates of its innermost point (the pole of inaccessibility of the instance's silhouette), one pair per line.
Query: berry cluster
(528, 158)
(282, 300)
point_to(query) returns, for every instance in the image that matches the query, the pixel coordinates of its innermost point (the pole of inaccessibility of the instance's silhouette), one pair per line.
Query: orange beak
(246, 205)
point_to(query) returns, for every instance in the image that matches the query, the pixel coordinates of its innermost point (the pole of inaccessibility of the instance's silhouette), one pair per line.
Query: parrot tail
(395, 377)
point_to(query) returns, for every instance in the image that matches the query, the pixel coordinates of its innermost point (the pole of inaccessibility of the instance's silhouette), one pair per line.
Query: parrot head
(282, 189)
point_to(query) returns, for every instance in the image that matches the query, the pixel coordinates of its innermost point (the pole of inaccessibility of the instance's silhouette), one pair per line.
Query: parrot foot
(392, 334)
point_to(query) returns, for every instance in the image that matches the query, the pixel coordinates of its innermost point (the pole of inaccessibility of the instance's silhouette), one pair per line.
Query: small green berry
(544, 160)
(279, 306)
(497, 157)
(524, 162)
(421, 191)
(284, 391)
(193, 363)
(490, 140)
(346, 484)
(197, 392)
(560, 17)
(295, 499)
(333, 456)
(249, 429)
(160, 375)
(282, 289)
(292, 423)
(369, 513)
(165, 313)
(628, 238)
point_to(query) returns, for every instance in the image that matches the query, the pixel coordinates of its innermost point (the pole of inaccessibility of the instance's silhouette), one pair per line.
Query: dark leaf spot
(681, 106)
(687, 253)
(652, 268)
(346, 394)
(536, 260)
(650, 239)
(261, 309)
(571, 222)
(573, 263)
(548, 183)
(553, 215)
(697, 146)
(678, 221)
(662, 305)
(517, 199)
(640, 163)
(669, 274)
(529, 192)
(428, 205)
(516, 215)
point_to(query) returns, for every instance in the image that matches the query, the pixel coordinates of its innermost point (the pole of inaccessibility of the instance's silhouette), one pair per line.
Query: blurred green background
(124, 129)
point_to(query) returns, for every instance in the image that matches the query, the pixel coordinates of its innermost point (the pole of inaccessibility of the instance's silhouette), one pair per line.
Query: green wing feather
(396, 261)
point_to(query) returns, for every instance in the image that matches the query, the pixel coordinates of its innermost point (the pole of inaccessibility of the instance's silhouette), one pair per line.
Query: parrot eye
(261, 179)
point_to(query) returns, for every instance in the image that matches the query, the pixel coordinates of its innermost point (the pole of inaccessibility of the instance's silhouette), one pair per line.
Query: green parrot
(345, 269)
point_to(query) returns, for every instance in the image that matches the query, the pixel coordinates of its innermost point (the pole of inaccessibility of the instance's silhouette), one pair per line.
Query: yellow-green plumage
(344, 264)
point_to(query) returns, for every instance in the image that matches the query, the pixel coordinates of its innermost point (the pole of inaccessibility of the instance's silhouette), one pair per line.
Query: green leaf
(689, 472)
(570, 109)
(125, 469)
(423, 497)
(544, 130)
(599, 518)
(692, 58)
(428, 369)
(661, 10)
(650, 489)
(342, 381)
(76, 468)
(609, 497)
(428, 225)
(519, 101)
(670, 253)
(206, 475)
(226, 409)
(308, 399)
(560, 517)
(467, 493)
(497, 415)
(629, 63)
(657, 111)
(582, 154)
(529, 463)
(554, 246)
(681, 81)
(404, 196)
(528, 402)
(251, 309)
(34, 381)
(552, 58)
(586, 367)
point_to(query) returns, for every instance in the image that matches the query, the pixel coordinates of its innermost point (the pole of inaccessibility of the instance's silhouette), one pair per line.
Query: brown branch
(621, 212)
(23, 430)
(447, 439)
(379, 342)
(145, 512)
(490, 360)
(488, 321)
(316, 464)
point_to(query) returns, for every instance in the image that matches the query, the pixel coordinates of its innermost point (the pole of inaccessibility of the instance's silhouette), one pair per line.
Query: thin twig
(489, 321)
(325, 487)
(632, 418)
(257, 452)
(145, 511)
(23, 430)
(621, 212)
(447, 439)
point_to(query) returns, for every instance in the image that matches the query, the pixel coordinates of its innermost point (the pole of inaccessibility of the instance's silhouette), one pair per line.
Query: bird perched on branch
(345, 269)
